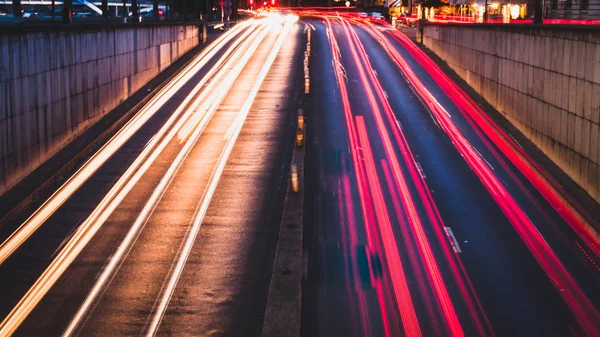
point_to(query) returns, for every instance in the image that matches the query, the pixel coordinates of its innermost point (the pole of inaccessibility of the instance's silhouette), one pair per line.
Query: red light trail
(410, 211)
(571, 212)
(403, 297)
(423, 244)
(424, 247)
(583, 309)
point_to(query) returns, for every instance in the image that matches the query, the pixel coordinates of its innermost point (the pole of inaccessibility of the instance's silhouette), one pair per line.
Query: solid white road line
(453, 240)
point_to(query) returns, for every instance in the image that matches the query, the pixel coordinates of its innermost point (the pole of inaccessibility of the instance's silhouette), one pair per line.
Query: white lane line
(86, 231)
(399, 125)
(150, 205)
(229, 132)
(453, 240)
(481, 156)
(150, 141)
(213, 182)
(421, 170)
(27, 228)
(515, 140)
(308, 26)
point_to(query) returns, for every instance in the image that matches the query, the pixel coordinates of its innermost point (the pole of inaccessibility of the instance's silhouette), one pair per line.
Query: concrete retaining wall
(55, 84)
(545, 81)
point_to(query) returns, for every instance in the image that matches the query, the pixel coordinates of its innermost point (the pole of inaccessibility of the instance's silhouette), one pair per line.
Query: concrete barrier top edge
(16, 29)
(518, 26)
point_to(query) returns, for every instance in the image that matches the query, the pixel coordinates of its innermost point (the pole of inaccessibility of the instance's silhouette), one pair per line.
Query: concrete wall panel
(545, 81)
(54, 85)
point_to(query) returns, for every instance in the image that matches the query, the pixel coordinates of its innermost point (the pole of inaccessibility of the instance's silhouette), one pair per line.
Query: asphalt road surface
(417, 220)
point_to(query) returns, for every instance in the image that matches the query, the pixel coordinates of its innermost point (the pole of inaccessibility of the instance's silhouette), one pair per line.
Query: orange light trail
(27, 228)
(90, 226)
(216, 176)
(158, 192)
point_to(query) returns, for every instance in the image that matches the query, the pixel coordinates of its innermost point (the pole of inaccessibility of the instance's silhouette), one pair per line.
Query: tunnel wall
(55, 84)
(546, 81)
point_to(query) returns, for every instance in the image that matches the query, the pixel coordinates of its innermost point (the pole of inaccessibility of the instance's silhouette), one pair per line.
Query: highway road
(422, 216)
(171, 227)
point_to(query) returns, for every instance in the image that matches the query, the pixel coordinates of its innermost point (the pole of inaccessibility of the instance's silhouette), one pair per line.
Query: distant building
(572, 9)
(523, 9)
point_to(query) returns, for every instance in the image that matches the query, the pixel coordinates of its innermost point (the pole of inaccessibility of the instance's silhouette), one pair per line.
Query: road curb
(58, 167)
(283, 310)
(284, 302)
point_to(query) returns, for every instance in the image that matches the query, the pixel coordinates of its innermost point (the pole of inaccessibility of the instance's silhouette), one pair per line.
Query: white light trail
(213, 182)
(86, 231)
(27, 228)
(158, 192)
